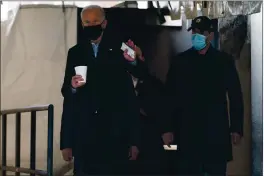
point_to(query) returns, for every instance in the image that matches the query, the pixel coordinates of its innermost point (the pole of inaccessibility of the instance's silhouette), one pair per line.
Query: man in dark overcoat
(100, 125)
(204, 101)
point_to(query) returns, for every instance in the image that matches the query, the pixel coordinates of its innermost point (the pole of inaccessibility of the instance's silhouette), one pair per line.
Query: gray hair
(91, 7)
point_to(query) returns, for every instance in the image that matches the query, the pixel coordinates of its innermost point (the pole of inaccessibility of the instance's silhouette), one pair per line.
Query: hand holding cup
(77, 81)
(80, 78)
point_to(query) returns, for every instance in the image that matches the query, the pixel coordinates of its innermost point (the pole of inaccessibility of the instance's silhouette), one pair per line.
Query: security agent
(203, 94)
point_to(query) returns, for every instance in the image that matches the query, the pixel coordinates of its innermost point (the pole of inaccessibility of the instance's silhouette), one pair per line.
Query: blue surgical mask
(198, 41)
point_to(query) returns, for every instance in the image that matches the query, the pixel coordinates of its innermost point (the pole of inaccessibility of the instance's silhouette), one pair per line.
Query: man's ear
(104, 24)
(211, 36)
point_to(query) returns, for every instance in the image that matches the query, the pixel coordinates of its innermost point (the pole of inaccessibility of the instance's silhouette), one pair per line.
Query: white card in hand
(130, 51)
(172, 147)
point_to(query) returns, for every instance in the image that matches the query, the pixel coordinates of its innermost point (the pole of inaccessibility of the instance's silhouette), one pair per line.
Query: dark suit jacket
(197, 88)
(150, 92)
(104, 112)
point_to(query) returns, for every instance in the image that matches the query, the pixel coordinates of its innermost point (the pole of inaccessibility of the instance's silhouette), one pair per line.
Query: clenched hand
(167, 138)
(133, 153)
(75, 82)
(67, 154)
(236, 138)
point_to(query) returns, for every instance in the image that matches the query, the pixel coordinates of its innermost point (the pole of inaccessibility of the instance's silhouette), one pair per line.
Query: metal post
(33, 142)
(50, 140)
(17, 169)
(18, 140)
(4, 123)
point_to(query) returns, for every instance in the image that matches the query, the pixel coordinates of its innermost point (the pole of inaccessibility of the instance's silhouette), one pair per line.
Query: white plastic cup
(82, 71)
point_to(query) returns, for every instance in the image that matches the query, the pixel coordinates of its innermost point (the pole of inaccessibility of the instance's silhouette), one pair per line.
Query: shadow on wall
(166, 44)
(233, 34)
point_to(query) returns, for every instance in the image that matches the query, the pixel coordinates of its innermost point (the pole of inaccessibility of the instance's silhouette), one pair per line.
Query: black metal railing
(32, 170)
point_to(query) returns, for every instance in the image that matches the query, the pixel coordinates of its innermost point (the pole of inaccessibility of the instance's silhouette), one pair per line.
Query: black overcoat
(101, 120)
(198, 89)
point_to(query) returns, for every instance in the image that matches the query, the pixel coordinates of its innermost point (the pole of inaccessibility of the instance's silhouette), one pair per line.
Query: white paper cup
(172, 147)
(81, 70)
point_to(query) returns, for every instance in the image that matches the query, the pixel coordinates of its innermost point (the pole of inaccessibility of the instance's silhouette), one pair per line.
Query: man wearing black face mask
(203, 94)
(94, 32)
(100, 121)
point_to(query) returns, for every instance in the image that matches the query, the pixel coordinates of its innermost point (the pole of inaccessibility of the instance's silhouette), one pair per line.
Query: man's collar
(95, 44)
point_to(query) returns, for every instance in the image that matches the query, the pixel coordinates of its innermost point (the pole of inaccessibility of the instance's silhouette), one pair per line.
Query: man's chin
(98, 38)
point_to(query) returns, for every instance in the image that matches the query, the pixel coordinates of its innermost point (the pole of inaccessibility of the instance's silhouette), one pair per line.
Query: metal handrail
(32, 170)
(27, 109)
(23, 170)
